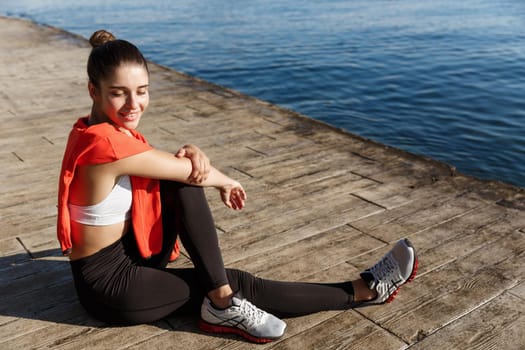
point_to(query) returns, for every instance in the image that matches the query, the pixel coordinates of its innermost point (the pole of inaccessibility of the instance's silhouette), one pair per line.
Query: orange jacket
(103, 143)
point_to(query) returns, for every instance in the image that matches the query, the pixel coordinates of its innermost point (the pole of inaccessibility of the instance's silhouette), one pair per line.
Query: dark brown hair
(108, 53)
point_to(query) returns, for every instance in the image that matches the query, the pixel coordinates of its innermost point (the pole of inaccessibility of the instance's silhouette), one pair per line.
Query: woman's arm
(199, 161)
(162, 165)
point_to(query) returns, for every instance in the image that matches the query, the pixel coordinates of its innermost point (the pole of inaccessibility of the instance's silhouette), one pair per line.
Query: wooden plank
(34, 277)
(39, 208)
(46, 337)
(310, 256)
(38, 240)
(287, 226)
(435, 299)
(112, 337)
(84, 333)
(347, 330)
(418, 215)
(187, 337)
(265, 202)
(463, 235)
(519, 290)
(9, 246)
(34, 331)
(39, 299)
(498, 324)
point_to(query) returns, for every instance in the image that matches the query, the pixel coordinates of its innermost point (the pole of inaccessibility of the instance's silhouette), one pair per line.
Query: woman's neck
(96, 117)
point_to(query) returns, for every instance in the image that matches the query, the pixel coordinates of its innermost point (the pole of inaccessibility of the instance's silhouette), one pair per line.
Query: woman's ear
(92, 91)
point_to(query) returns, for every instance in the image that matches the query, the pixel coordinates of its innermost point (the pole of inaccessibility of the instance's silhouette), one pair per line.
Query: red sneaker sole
(211, 328)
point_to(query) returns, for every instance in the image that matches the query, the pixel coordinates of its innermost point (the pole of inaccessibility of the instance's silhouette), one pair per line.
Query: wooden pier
(323, 205)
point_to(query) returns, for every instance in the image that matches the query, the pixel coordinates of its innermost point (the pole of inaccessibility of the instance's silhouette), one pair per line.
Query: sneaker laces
(251, 313)
(384, 269)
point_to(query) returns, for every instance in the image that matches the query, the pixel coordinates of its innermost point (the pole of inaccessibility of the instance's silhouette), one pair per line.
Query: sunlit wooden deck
(323, 204)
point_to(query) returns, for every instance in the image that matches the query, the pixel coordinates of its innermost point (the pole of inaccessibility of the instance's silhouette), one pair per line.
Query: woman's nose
(132, 101)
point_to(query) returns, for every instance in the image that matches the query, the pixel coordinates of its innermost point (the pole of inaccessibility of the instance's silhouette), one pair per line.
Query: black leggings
(116, 285)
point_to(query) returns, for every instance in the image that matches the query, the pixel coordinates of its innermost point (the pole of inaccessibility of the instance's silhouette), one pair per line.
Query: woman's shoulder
(104, 142)
(82, 128)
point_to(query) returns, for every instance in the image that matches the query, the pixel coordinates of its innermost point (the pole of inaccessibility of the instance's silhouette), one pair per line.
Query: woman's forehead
(129, 76)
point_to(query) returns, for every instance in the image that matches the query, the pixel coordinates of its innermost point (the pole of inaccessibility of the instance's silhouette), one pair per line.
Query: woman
(122, 205)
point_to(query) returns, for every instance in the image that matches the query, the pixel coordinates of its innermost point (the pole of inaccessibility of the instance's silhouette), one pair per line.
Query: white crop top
(115, 208)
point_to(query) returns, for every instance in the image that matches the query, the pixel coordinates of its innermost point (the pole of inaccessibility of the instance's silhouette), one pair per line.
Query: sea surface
(441, 78)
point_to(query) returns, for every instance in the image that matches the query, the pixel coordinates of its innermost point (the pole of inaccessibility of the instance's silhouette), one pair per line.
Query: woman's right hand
(199, 161)
(233, 195)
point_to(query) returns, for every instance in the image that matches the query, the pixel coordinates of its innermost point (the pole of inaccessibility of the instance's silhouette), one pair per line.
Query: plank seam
(242, 172)
(166, 130)
(48, 140)
(272, 121)
(368, 201)
(256, 151)
(25, 248)
(17, 156)
(366, 177)
(363, 156)
(265, 135)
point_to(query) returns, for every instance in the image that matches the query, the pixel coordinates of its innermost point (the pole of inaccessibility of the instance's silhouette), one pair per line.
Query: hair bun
(100, 37)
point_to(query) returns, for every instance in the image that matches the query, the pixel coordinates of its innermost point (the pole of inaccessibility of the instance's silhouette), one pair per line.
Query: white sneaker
(242, 318)
(397, 267)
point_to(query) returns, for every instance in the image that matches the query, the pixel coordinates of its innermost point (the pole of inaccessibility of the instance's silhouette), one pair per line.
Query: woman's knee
(181, 190)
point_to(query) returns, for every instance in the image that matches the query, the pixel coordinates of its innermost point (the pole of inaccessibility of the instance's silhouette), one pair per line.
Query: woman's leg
(114, 287)
(186, 211)
(290, 299)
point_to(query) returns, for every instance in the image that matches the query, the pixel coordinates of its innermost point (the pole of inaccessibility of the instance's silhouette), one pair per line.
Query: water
(444, 79)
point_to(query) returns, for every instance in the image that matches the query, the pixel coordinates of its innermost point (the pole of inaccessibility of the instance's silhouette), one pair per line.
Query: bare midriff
(88, 240)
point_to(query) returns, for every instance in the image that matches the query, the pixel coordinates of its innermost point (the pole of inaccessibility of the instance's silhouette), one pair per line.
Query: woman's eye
(142, 92)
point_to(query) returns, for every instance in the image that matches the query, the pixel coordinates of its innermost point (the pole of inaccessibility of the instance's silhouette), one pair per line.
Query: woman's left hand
(233, 195)
(199, 161)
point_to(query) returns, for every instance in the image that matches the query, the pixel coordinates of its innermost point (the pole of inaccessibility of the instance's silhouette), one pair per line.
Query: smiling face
(122, 98)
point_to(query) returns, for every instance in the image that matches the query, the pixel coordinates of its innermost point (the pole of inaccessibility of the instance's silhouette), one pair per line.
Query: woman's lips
(130, 116)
